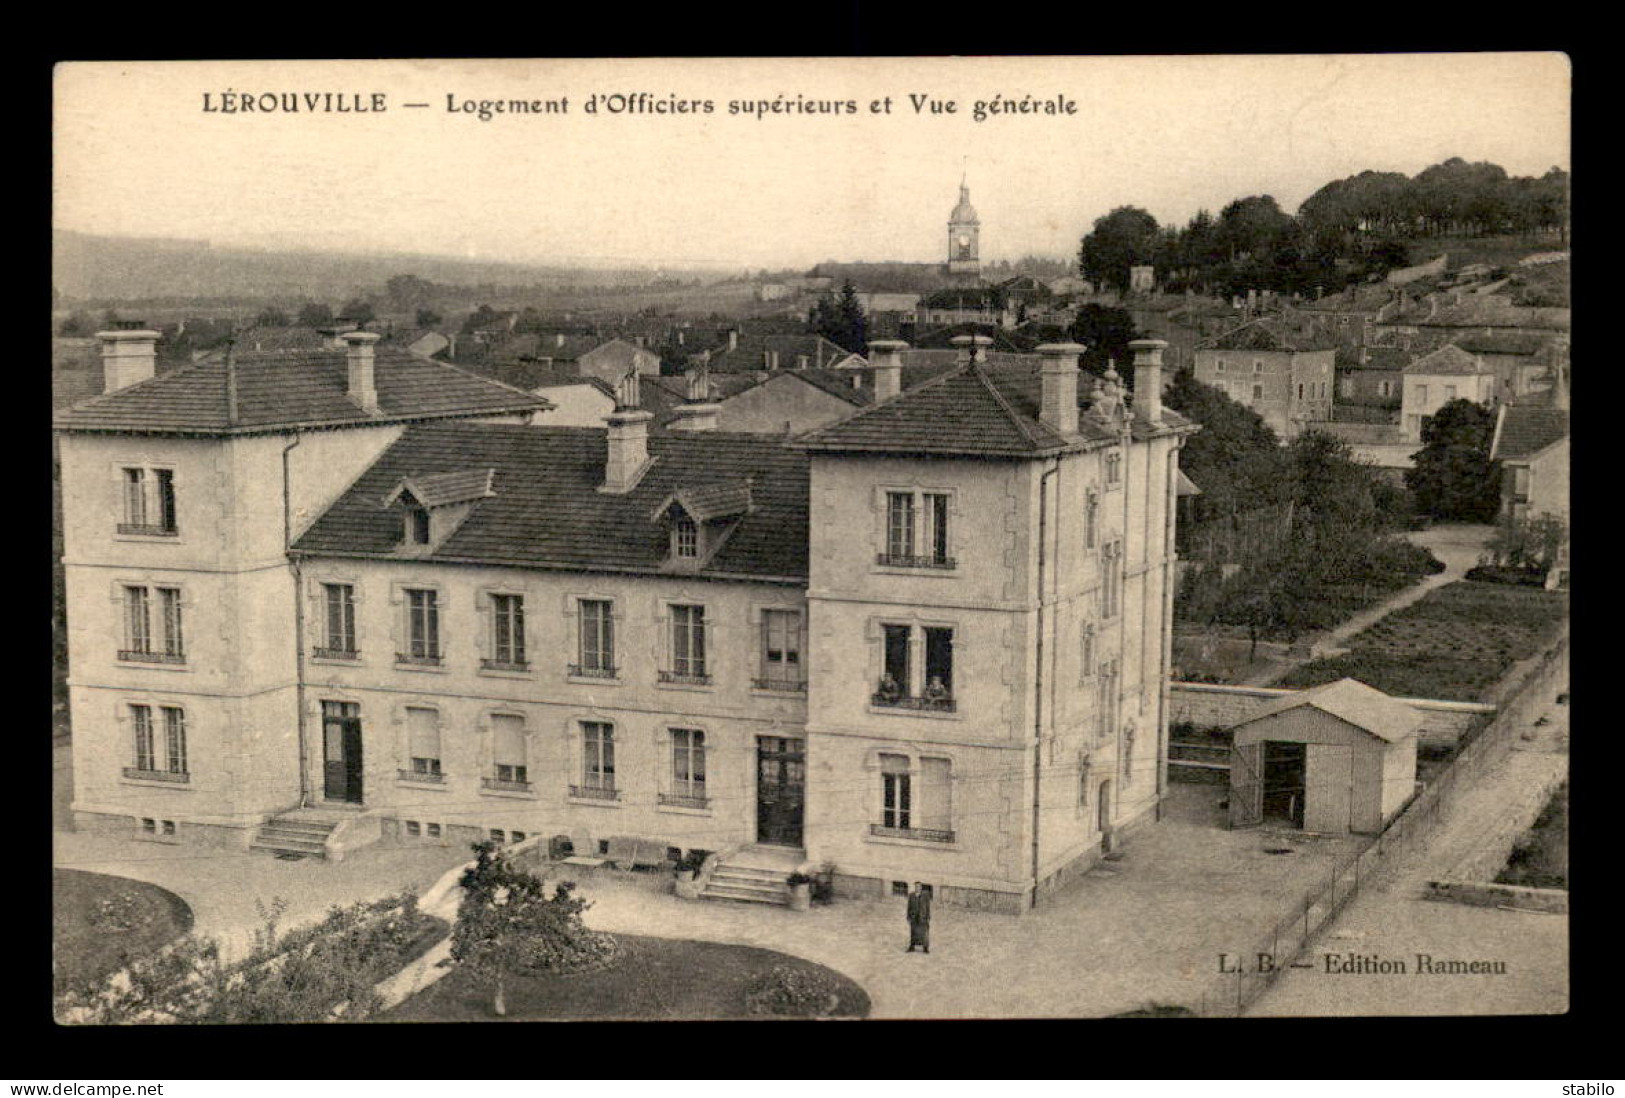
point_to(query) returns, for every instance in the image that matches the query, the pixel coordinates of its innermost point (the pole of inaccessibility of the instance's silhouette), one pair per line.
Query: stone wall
(1208, 705)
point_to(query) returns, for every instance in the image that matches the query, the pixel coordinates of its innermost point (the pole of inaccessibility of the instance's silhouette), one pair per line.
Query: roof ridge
(1015, 417)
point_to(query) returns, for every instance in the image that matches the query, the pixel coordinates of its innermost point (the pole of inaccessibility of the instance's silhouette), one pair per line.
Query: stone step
(286, 827)
(745, 895)
(751, 884)
(289, 846)
(750, 873)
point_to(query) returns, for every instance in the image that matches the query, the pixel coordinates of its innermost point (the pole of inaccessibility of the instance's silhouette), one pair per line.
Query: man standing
(919, 918)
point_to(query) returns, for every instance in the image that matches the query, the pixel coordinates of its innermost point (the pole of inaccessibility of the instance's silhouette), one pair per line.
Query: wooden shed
(1334, 759)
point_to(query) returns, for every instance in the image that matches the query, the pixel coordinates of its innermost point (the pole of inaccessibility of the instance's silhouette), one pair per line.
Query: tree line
(1347, 231)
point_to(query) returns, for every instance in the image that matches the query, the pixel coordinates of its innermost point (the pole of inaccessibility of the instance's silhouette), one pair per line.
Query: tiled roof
(714, 500)
(750, 354)
(443, 489)
(1390, 359)
(1448, 359)
(1525, 430)
(1350, 700)
(1504, 343)
(1266, 335)
(975, 410)
(836, 383)
(548, 512)
(293, 389)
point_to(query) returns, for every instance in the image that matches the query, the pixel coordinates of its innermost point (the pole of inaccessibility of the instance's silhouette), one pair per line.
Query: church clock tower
(963, 243)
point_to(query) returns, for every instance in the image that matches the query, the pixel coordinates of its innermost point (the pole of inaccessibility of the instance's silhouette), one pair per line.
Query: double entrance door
(341, 751)
(781, 789)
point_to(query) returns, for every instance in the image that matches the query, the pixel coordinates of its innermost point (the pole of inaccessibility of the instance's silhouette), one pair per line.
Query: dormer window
(685, 536)
(434, 506)
(417, 525)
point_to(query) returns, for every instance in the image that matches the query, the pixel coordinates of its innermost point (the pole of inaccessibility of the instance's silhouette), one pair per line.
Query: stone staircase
(302, 832)
(754, 875)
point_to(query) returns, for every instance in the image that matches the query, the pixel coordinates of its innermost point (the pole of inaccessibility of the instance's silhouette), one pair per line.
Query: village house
(1532, 444)
(1437, 378)
(1284, 375)
(364, 593)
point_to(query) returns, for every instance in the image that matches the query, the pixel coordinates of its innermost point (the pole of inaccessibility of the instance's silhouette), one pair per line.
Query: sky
(149, 149)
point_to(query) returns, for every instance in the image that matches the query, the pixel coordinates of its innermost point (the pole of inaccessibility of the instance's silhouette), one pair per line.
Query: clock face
(964, 241)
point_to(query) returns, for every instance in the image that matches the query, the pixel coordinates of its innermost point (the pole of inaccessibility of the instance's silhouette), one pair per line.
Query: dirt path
(1392, 921)
(1456, 545)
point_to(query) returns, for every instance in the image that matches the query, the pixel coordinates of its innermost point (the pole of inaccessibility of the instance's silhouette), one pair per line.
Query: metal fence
(1520, 697)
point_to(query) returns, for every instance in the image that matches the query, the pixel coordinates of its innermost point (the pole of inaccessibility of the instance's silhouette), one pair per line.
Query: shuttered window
(508, 748)
(423, 738)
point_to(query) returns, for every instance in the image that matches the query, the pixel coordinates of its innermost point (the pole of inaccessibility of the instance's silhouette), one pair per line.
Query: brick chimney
(362, 388)
(129, 355)
(963, 345)
(1058, 399)
(628, 450)
(733, 339)
(1148, 380)
(885, 357)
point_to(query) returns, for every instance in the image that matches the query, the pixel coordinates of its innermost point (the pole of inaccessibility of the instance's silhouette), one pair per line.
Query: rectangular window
(1258, 392)
(155, 757)
(1347, 386)
(1421, 394)
(1413, 424)
(135, 497)
(508, 749)
(896, 793)
(939, 664)
(1086, 651)
(688, 642)
(685, 538)
(1091, 520)
(1221, 366)
(338, 599)
(423, 626)
(1449, 393)
(1385, 388)
(141, 717)
(423, 742)
(936, 534)
(166, 500)
(1300, 390)
(419, 518)
(1258, 365)
(169, 601)
(1114, 469)
(900, 524)
(508, 624)
(174, 740)
(597, 638)
(781, 649)
(597, 757)
(688, 763)
(895, 672)
(137, 621)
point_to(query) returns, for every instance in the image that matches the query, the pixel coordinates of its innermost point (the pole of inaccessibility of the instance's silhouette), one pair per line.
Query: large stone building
(366, 593)
(1283, 374)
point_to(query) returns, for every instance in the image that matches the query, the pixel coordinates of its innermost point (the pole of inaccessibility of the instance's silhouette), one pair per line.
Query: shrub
(1520, 577)
(798, 878)
(793, 992)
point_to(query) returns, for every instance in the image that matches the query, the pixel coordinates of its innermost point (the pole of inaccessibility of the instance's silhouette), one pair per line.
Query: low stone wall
(1209, 705)
(1488, 894)
(1493, 849)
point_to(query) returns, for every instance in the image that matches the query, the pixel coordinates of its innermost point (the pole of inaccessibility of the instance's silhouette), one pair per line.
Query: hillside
(105, 268)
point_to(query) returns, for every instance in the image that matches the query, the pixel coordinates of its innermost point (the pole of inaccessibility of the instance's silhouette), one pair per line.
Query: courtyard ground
(1146, 929)
(1393, 921)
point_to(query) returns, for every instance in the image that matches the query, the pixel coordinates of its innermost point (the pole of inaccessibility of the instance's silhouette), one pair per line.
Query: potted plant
(688, 870)
(800, 891)
(823, 884)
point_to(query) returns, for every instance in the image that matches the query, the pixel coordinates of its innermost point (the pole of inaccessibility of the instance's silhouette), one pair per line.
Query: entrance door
(341, 751)
(781, 778)
(1329, 772)
(1284, 785)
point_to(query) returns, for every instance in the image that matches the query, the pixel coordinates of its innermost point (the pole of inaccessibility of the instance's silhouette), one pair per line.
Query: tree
(1106, 333)
(428, 318)
(1122, 239)
(407, 292)
(1453, 476)
(359, 310)
(509, 926)
(479, 318)
(271, 317)
(315, 315)
(841, 320)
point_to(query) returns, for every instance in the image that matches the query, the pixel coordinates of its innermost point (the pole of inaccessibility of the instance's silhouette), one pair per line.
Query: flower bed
(102, 923)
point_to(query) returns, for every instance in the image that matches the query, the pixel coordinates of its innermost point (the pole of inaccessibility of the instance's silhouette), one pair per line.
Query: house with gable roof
(1283, 374)
(1437, 378)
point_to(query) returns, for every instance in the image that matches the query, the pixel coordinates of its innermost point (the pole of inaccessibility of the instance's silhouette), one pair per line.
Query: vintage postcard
(861, 538)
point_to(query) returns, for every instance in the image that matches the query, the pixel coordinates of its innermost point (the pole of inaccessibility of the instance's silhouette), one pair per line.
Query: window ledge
(667, 680)
(612, 800)
(898, 840)
(336, 657)
(933, 571)
(425, 781)
(434, 666)
(927, 714)
(155, 777)
(136, 531)
(510, 790)
(505, 670)
(153, 662)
